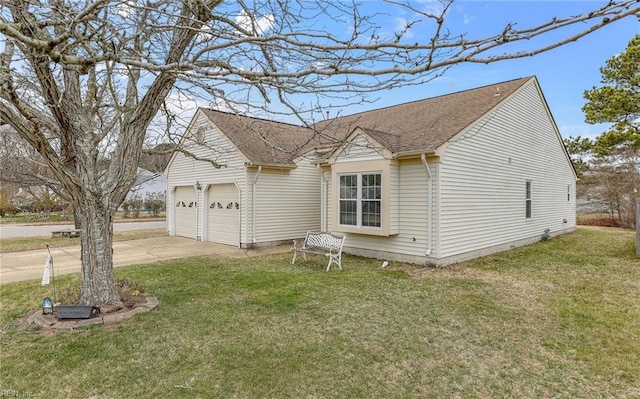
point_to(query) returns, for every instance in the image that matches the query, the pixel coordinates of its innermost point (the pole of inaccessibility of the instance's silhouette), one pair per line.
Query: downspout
(324, 201)
(328, 224)
(242, 205)
(423, 157)
(198, 204)
(171, 209)
(248, 205)
(204, 192)
(253, 204)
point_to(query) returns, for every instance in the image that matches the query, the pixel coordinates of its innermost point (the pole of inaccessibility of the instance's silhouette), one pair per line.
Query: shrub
(155, 203)
(132, 205)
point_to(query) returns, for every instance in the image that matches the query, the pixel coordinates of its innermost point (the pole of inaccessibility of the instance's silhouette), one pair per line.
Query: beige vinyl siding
(410, 243)
(361, 149)
(185, 170)
(394, 199)
(287, 203)
(484, 173)
(217, 148)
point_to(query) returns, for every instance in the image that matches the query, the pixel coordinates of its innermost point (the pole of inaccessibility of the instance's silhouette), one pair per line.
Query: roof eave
(413, 153)
(271, 165)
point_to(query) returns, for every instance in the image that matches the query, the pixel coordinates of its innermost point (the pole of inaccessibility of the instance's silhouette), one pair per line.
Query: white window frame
(360, 199)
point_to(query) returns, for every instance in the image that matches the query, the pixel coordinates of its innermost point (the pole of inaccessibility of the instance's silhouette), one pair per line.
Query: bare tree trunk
(76, 219)
(81, 84)
(98, 282)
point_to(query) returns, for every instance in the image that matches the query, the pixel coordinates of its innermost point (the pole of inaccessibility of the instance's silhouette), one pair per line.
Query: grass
(31, 243)
(60, 218)
(555, 319)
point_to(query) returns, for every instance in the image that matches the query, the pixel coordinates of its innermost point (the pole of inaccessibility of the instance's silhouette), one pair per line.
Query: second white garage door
(224, 214)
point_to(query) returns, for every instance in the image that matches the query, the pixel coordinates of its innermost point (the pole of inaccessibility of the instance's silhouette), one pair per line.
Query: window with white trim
(528, 203)
(360, 199)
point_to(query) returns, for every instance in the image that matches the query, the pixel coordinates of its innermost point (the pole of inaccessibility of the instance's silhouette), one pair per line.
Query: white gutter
(253, 204)
(423, 157)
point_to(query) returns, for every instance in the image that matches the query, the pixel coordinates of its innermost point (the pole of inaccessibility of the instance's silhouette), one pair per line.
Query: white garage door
(185, 211)
(224, 214)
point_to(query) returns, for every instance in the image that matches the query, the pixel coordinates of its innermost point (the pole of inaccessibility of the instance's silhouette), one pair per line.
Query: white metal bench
(328, 244)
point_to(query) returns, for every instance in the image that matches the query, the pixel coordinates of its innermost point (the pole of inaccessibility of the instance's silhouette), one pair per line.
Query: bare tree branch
(82, 81)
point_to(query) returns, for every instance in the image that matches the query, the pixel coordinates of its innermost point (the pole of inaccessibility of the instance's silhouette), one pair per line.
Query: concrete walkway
(28, 265)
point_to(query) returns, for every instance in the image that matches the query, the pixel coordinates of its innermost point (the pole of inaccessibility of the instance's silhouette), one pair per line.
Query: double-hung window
(360, 200)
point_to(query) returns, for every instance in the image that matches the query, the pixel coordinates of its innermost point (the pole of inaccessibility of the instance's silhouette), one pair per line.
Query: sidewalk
(28, 265)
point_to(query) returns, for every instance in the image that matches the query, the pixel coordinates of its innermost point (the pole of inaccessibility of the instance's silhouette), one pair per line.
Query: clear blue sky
(564, 73)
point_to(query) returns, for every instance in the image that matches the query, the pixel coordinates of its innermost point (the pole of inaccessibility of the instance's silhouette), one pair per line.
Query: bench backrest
(324, 240)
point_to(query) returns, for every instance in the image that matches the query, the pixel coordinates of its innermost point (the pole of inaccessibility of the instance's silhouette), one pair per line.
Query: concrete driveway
(28, 265)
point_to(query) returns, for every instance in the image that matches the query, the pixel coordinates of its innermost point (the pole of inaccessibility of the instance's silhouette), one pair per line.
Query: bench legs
(295, 254)
(327, 244)
(335, 258)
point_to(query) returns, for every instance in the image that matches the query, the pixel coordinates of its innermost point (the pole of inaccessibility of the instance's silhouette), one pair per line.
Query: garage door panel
(185, 212)
(224, 214)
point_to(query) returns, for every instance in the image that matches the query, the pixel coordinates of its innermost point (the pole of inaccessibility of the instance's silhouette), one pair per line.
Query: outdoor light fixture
(198, 186)
(47, 306)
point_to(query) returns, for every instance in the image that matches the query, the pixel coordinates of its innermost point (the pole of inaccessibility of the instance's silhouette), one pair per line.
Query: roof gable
(360, 145)
(261, 141)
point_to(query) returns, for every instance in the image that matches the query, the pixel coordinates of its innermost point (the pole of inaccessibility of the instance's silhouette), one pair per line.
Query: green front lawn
(555, 319)
(59, 218)
(40, 242)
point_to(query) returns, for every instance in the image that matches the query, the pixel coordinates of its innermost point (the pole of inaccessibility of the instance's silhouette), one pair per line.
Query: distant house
(147, 183)
(434, 181)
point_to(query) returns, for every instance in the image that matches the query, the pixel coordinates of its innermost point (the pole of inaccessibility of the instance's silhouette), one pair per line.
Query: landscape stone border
(50, 321)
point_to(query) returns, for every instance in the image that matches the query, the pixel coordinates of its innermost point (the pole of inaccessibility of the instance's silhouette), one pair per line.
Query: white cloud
(400, 24)
(434, 7)
(182, 105)
(125, 9)
(583, 130)
(258, 26)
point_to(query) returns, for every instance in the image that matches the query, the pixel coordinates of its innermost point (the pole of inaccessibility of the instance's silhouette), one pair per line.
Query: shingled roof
(264, 142)
(425, 125)
(419, 126)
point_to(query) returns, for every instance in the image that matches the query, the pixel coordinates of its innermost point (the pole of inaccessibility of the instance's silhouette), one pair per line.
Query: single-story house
(147, 183)
(435, 181)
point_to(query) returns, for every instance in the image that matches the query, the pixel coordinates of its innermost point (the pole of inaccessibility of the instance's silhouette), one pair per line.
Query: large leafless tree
(82, 81)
